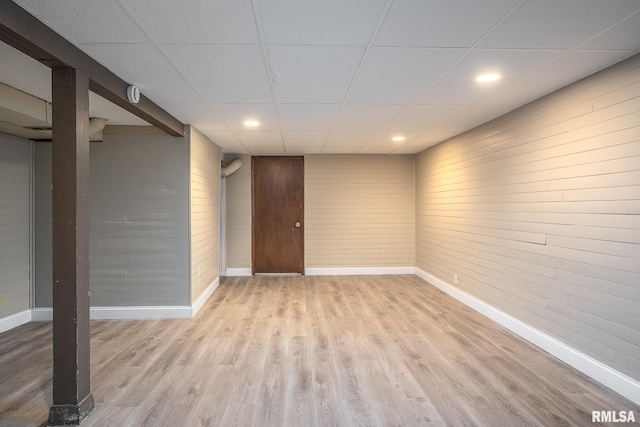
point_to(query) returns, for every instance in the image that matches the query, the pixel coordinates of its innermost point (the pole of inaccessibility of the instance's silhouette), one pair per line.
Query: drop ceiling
(333, 76)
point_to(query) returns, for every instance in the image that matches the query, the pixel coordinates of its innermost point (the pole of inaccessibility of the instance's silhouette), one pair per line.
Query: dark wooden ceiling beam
(114, 89)
(26, 33)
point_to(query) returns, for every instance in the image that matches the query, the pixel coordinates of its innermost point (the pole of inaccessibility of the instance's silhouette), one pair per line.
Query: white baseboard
(202, 299)
(15, 320)
(42, 314)
(123, 313)
(616, 381)
(336, 271)
(238, 272)
(358, 271)
(139, 313)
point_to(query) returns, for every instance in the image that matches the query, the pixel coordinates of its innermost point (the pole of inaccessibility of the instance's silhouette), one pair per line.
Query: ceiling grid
(337, 76)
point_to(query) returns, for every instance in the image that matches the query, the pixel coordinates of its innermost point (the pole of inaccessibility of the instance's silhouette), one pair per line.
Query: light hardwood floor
(306, 351)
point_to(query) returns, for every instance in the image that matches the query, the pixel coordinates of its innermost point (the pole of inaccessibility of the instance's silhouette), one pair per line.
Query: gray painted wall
(139, 220)
(15, 184)
(538, 213)
(42, 232)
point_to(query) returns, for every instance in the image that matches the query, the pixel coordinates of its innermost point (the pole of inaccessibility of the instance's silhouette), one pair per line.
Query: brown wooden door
(278, 214)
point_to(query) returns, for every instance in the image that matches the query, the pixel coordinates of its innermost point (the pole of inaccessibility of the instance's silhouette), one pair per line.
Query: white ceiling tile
(398, 75)
(87, 21)
(564, 70)
(328, 22)
(144, 66)
(424, 141)
(383, 143)
(267, 151)
(261, 141)
(223, 74)
(312, 74)
(554, 24)
(202, 61)
(359, 117)
(346, 142)
(307, 117)
(236, 114)
(306, 149)
(423, 117)
(197, 114)
(227, 141)
(377, 149)
(304, 142)
(197, 21)
(458, 86)
(437, 23)
(625, 35)
(473, 116)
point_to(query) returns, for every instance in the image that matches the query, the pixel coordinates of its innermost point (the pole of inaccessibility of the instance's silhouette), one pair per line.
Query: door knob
(297, 225)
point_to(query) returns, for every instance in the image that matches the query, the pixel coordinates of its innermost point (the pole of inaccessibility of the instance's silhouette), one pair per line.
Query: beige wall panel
(547, 123)
(562, 104)
(238, 214)
(205, 213)
(359, 211)
(538, 214)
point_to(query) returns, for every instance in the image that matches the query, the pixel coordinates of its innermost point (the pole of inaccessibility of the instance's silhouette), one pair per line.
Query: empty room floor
(306, 351)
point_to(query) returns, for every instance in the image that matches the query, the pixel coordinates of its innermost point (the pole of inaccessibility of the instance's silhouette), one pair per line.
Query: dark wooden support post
(72, 398)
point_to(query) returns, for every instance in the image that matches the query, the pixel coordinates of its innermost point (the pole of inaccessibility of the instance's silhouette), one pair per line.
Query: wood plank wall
(238, 214)
(139, 189)
(205, 212)
(15, 223)
(359, 211)
(538, 213)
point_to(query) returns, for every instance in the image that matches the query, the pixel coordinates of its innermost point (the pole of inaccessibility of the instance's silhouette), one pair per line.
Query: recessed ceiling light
(487, 78)
(398, 138)
(251, 123)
